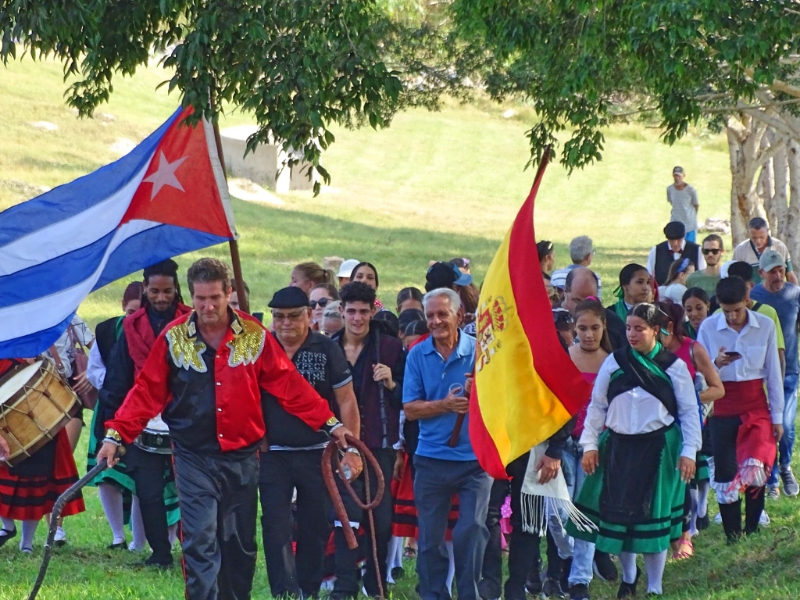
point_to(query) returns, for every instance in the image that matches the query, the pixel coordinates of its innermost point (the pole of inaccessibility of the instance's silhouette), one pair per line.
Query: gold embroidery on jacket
(185, 349)
(247, 345)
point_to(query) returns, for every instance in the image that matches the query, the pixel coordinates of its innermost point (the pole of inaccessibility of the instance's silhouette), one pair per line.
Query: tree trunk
(744, 146)
(791, 236)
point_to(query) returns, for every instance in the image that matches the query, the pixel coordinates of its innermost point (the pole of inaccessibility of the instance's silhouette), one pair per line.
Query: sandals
(9, 534)
(685, 550)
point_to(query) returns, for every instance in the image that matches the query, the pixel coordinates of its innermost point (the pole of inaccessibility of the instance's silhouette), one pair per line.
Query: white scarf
(551, 498)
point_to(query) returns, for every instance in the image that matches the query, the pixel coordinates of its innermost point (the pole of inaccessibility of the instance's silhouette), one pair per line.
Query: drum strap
(57, 359)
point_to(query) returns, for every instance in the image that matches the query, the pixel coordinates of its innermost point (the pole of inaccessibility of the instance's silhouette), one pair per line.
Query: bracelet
(352, 450)
(113, 436)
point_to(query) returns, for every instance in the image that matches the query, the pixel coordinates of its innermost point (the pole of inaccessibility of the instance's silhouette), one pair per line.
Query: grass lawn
(433, 186)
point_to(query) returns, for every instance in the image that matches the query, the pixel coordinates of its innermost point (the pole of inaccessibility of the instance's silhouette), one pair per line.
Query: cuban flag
(166, 197)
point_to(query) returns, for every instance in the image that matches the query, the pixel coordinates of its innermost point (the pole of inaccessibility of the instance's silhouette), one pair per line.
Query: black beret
(675, 230)
(289, 297)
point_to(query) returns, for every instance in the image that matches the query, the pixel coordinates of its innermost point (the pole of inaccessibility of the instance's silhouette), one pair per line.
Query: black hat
(675, 230)
(289, 297)
(445, 275)
(409, 315)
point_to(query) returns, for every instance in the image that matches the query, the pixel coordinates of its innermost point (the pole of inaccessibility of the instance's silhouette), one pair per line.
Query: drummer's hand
(590, 461)
(339, 433)
(109, 452)
(82, 385)
(4, 451)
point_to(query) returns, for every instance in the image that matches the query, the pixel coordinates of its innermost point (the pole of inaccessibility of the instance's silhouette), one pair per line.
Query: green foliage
(577, 60)
(298, 66)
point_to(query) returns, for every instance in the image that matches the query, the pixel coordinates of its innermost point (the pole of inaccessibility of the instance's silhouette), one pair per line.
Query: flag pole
(244, 303)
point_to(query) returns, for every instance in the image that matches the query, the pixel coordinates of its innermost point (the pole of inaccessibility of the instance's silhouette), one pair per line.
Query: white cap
(347, 267)
(723, 270)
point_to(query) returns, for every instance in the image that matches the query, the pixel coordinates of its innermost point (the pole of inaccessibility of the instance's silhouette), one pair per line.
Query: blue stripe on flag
(34, 344)
(152, 246)
(72, 198)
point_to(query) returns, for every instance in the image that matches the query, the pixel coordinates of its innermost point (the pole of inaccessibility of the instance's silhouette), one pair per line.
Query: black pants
(724, 433)
(281, 472)
(492, 572)
(219, 504)
(346, 559)
(147, 470)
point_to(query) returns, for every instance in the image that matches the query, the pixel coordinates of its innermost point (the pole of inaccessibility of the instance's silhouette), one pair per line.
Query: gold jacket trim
(185, 349)
(247, 344)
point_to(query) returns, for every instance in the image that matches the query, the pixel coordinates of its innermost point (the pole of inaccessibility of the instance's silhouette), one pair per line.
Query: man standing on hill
(784, 297)
(675, 247)
(708, 278)
(685, 205)
(760, 240)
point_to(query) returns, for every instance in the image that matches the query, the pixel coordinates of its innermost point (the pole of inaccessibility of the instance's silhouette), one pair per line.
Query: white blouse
(637, 411)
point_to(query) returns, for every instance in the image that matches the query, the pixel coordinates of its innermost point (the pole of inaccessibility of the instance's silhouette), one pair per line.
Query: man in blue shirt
(435, 392)
(784, 297)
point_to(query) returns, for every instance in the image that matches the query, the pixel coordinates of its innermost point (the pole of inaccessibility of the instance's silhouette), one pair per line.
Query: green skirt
(118, 476)
(702, 473)
(666, 508)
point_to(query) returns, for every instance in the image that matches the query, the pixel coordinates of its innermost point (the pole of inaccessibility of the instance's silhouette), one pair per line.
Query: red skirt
(404, 514)
(748, 401)
(30, 498)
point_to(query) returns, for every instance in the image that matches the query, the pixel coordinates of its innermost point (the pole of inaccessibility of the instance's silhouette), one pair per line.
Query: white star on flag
(165, 175)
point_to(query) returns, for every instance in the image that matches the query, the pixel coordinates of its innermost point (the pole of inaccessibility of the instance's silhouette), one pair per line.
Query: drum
(155, 437)
(35, 404)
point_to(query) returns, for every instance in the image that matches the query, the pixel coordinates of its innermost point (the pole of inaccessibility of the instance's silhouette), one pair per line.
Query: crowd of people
(694, 368)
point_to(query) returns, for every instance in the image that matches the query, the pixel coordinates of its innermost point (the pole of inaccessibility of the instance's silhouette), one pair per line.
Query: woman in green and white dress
(636, 455)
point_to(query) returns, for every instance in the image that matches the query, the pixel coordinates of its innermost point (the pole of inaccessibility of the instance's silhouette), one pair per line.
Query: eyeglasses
(295, 316)
(323, 302)
(711, 250)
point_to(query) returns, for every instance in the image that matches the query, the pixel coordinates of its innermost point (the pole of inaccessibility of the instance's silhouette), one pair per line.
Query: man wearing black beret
(674, 248)
(294, 456)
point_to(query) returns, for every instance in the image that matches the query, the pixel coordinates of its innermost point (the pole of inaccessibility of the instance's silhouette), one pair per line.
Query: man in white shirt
(744, 428)
(685, 206)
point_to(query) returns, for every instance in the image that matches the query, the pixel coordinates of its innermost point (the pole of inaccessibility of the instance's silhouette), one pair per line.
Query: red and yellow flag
(526, 387)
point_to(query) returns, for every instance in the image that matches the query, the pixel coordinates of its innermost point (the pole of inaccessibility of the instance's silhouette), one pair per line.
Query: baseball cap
(289, 297)
(346, 269)
(445, 275)
(677, 170)
(769, 260)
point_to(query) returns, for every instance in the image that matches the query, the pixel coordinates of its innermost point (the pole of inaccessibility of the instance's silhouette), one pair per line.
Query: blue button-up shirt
(429, 377)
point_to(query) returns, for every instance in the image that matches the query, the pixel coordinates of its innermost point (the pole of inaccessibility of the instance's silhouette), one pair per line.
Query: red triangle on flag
(179, 187)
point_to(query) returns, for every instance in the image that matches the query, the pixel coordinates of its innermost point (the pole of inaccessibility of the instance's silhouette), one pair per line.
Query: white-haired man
(581, 252)
(433, 368)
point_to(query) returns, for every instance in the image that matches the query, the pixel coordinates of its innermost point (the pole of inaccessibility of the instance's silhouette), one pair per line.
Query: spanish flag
(526, 387)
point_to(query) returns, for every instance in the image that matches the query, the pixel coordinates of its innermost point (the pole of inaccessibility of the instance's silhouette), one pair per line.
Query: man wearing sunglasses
(295, 451)
(708, 278)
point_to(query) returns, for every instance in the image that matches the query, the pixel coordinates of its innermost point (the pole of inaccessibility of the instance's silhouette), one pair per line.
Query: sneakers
(579, 591)
(604, 567)
(552, 589)
(790, 486)
(703, 523)
(60, 538)
(774, 493)
(763, 520)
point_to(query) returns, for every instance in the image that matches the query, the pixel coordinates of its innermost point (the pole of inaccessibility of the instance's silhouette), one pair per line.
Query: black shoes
(552, 589)
(579, 591)
(10, 534)
(703, 523)
(489, 590)
(158, 562)
(604, 567)
(628, 590)
(117, 546)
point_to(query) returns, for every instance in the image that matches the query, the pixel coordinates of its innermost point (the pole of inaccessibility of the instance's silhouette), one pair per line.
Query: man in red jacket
(204, 375)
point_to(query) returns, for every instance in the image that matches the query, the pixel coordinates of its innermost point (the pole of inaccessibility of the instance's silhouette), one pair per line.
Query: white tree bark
(744, 146)
(791, 235)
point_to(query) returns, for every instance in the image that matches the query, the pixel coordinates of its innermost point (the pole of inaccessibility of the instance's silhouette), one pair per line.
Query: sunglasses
(562, 316)
(322, 302)
(711, 250)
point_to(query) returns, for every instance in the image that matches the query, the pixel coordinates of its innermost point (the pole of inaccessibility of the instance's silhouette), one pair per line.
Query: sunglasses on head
(711, 250)
(562, 316)
(322, 302)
